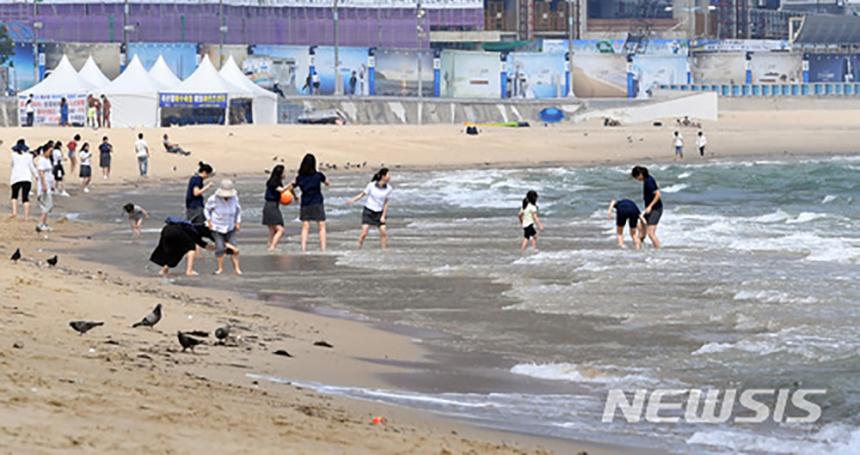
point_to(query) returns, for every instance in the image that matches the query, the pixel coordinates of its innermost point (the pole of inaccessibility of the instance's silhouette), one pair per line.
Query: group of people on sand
(641, 224)
(218, 218)
(48, 168)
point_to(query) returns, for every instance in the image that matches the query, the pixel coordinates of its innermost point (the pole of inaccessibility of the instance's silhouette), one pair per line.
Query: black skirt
(175, 242)
(272, 214)
(371, 218)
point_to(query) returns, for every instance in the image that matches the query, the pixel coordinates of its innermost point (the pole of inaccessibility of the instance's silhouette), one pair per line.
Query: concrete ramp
(702, 106)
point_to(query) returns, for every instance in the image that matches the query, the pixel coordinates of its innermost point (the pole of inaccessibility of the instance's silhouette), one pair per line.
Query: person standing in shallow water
(530, 221)
(626, 212)
(272, 217)
(224, 218)
(197, 188)
(375, 212)
(310, 182)
(653, 204)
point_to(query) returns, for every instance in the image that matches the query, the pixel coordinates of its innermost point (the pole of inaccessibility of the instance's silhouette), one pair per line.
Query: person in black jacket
(180, 240)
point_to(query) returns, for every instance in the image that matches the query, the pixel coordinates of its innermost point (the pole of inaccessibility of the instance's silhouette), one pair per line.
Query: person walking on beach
(653, 204)
(44, 185)
(136, 214)
(530, 220)
(21, 178)
(59, 170)
(180, 239)
(224, 218)
(197, 188)
(353, 82)
(72, 148)
(30, 111)
(105, 112)
(64, 112)
(272, 217)
(678, 143)
(310, 182)
(86, 173)
(701, 143)
(375, 212)
(91, 112)
(626, 212)
(141, 150)
(105, 152)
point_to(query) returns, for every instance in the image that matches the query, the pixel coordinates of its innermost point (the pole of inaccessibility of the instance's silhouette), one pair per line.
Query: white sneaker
(65, 194)
(87, 190)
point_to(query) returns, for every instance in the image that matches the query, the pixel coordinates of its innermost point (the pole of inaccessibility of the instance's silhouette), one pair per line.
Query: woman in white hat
(224, 218)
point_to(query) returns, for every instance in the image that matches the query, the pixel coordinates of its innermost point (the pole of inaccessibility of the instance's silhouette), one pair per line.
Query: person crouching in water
(224, 218)
(376, 207)
(530, 219)
(627, 212)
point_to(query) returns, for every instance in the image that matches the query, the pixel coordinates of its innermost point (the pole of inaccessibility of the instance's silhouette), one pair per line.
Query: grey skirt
(272, 214)
(314, 212)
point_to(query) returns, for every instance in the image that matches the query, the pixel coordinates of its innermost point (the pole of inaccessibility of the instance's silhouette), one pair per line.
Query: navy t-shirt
(105, 148)
(650, 187)
(626, 206)
(272, 193)
(192, 201)
(311, 186)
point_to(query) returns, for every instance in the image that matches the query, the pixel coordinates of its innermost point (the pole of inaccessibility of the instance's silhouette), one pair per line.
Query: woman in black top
(180, 240)
(272, 217)
(310, 181)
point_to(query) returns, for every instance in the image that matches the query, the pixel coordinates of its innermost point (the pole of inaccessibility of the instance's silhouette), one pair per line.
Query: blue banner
(193, 100)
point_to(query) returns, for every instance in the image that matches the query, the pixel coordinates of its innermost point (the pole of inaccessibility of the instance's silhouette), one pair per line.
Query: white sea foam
(674, 188)
(805, 217)
(574, 373)
(773, 296)
(684, 175)
(828, 199)
(833, 439)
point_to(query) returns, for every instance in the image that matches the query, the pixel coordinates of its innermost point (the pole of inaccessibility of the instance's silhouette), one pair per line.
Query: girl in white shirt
(375, 210)
(86, 167)
(530, 219)
(21, 178)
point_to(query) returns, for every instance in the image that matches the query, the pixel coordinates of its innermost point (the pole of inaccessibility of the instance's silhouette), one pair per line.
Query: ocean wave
(832, 439)
(805, 217)
(674, 188)
(828, 199)
(573, 373)
(772, 296)
(684, 175)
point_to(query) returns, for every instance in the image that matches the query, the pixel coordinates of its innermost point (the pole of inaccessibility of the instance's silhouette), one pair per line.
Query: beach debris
(323, 344)
(52, 262)
(198, 333)
(282, 352)
(18, 345)
(221, 333)
(16, 256)
(83, 327)
(188, 341)
(379, 420)
(150, 319)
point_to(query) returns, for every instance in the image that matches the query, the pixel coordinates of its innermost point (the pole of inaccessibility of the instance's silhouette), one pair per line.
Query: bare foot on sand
(192, 273)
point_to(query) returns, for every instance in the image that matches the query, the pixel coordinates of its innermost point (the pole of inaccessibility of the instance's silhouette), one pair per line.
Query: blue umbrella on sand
(551, 115)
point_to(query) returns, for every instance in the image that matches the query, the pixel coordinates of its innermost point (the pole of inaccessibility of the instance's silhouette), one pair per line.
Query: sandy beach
(118, 389)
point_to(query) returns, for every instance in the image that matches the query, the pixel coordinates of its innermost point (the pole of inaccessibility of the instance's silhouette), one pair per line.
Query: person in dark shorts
(21, 177)
(272, 217)
(197, 188)
(105, 151)
(86, 173)
(530, 220)
(627, 213)
(375, 212)
(310, 182)
(653, 204)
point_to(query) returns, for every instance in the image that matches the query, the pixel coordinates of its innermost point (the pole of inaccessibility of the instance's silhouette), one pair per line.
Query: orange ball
(286, 198)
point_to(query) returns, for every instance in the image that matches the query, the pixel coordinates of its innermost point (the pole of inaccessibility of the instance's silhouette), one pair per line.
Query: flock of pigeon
(188, 340)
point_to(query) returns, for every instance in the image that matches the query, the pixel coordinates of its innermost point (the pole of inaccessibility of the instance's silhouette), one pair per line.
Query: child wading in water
(529, 219)
(136, 215)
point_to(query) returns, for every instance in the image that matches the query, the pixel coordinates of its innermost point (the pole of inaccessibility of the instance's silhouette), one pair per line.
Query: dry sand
(121, 389)
(251, 149)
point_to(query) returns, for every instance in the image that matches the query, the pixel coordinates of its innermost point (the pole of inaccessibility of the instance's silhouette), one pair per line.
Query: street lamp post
(570, 16)
(338, 81)
(222, 32)
(37, 24)
(419, 28)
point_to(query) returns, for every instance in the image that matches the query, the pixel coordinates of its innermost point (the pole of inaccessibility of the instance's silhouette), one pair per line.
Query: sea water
(756, 287)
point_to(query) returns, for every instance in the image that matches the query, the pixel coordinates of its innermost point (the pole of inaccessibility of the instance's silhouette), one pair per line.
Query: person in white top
(678, 142)
(30, 110)
(44, 185)
(21, 178)
(530, 219)
(701, 143)
(378, 193)
(59, 169)
(86, 173)
(141, 149)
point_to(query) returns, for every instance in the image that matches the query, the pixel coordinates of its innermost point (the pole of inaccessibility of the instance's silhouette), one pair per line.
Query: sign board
(46, 109)
(193, 100)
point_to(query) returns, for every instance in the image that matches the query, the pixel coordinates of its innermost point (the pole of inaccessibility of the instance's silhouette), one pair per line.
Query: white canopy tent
(204, 88)
(63, 82)
(264, 103)
(133, 96)
(162, 76)
(91, 73)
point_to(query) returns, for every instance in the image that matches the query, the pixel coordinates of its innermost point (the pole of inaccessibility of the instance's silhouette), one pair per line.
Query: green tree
(7, 47)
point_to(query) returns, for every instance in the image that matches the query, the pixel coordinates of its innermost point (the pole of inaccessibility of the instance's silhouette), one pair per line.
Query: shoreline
(117, 355)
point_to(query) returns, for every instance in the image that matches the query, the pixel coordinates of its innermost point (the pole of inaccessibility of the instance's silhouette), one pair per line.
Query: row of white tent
(135, 94)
